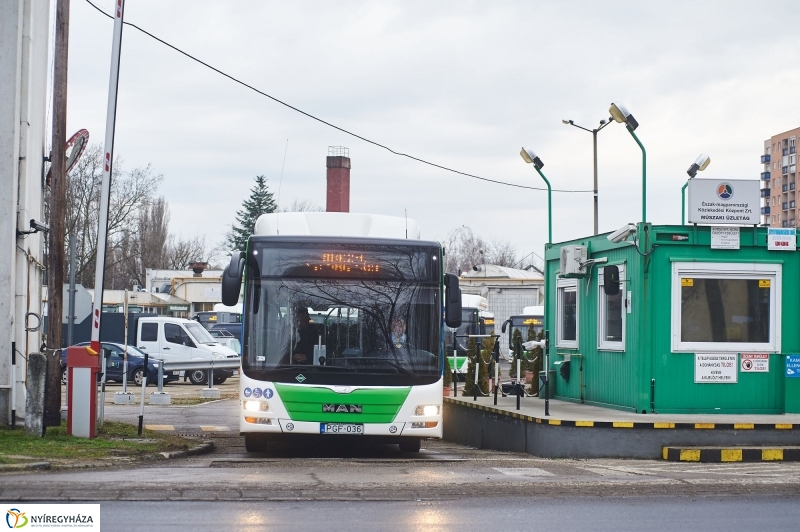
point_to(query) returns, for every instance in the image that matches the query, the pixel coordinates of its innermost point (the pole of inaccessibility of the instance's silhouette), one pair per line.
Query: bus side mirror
(452, 301)
(232, 279)
(505, 323)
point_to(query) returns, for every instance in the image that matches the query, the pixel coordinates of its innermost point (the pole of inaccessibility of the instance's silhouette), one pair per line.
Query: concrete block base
(162, 398)
(209, 393)
(121, 398)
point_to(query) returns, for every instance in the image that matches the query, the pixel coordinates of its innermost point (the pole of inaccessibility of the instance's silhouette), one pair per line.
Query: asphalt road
(332, 483)
(706, 514)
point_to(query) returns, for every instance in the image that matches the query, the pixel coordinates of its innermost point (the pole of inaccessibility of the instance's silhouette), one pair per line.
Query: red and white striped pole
(108, 163)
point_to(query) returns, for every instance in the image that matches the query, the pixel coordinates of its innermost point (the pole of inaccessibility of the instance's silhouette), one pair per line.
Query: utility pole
(58, 199)
(594, 131)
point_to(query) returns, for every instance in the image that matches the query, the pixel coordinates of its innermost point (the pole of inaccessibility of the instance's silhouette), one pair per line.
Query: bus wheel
(410, 446)
(255, 443)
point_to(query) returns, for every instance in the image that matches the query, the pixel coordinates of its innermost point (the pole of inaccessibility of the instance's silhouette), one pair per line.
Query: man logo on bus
(342, 409)
(724, 191)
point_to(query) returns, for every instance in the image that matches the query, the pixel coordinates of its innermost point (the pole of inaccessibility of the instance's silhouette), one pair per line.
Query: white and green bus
(475, 320)
(343, 320)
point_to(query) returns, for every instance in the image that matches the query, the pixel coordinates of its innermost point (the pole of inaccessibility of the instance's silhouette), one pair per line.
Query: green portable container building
(693, 328)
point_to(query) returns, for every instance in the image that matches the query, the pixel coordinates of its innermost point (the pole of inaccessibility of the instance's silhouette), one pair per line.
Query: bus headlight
(427, 410)
(255, 406)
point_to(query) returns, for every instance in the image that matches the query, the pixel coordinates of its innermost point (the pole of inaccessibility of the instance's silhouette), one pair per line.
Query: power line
(262, 93)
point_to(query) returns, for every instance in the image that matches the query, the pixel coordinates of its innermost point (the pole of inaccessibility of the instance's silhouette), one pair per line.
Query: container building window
(726, 307)
(611, 315)
(567, 313)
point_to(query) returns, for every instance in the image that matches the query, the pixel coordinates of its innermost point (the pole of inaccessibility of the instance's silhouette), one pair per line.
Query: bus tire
(410, 446)
(255, 443)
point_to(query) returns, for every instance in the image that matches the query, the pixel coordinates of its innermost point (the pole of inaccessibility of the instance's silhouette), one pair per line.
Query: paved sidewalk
(568, 411)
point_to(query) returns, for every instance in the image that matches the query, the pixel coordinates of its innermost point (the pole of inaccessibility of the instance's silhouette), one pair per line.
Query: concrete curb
(204, 448)
(25, 467)
(626, 424)
(731, 454)
(485, 427)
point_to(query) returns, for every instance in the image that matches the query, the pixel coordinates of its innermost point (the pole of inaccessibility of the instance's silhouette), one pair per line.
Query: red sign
(754, 363)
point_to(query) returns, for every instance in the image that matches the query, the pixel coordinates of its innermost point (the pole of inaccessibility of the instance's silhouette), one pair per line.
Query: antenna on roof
(280, 182)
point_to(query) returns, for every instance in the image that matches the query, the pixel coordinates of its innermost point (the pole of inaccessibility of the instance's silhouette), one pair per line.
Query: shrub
(469, 384)
(448, 373)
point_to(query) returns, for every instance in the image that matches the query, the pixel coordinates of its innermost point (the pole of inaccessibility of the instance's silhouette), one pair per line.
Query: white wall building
(203, 290)
(24, 135)
(508, 290)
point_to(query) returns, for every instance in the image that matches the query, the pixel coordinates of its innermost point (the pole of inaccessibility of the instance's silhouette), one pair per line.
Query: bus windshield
(526, 327)
(381, 325)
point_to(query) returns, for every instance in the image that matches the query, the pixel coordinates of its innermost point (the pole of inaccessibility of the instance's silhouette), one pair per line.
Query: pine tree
(260, 202)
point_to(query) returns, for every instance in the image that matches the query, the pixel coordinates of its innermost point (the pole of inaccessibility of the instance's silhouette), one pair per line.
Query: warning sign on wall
(715, 368)
(754, 363)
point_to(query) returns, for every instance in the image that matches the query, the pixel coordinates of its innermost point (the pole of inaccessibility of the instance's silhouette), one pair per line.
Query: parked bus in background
(530, 324)
(221, 314)
(475, 319)
(223, 323)
(343, 317)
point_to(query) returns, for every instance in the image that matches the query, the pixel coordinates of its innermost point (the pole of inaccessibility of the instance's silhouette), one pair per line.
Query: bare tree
(131, 192)
(501, 253)
(464, 249)
(180, 252)
(152, 237)
(141, 246)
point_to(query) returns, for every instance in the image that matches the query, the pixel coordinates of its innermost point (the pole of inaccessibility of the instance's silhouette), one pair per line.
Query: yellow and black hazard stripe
(731, 454)
(624, 424)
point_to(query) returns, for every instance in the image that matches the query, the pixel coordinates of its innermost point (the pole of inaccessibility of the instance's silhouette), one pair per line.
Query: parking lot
(180, 390)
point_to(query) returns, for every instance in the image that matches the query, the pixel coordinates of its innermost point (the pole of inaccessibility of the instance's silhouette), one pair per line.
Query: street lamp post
(594, 131)
(531, 158)
(699, 165)
(620, 113)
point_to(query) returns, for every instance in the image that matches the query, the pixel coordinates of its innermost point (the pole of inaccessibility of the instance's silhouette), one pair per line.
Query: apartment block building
(779, 180)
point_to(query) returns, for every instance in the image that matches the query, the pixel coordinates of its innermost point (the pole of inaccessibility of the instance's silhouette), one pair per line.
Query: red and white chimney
(338, 174)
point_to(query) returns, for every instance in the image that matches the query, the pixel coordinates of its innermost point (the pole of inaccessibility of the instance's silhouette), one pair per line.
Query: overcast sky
(461, 84)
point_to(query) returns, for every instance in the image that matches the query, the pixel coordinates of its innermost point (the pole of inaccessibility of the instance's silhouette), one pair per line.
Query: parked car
(234, 328)
(226, 339)
(115, 365)
(181, 340)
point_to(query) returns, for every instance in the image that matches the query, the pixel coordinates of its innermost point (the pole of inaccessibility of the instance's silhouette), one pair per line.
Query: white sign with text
(782, 239)
(716, 368)
(724, 238)
(725, 202)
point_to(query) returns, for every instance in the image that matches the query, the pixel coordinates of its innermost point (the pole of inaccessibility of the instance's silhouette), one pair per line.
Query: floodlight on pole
(619, 113)
(530, 157)
(594, 132)
(699, 165)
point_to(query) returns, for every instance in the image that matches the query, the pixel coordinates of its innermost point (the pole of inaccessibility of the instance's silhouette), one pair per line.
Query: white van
(182, 340)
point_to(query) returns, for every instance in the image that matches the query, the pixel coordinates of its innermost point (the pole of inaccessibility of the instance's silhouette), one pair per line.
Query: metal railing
(227, 363)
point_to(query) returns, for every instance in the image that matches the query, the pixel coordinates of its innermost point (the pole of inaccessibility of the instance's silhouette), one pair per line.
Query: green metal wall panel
(623, 380)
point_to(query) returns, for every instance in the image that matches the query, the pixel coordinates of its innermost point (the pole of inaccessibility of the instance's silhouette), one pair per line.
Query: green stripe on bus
(304, 403)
